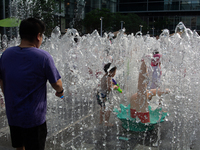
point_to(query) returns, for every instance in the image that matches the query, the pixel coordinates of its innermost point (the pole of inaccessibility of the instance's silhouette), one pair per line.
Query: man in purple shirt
(24, 71)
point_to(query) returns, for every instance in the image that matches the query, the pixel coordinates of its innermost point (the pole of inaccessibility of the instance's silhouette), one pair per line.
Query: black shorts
(101, 98)
(31, 138)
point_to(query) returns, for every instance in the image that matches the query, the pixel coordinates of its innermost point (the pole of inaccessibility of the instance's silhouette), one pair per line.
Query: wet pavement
(89, 135)
(85, 133)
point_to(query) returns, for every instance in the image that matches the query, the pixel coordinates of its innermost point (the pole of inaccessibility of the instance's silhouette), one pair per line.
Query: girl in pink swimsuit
(155, 71)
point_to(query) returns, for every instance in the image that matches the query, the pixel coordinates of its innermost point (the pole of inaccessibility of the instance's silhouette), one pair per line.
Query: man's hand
(59, 94)
(58, 87)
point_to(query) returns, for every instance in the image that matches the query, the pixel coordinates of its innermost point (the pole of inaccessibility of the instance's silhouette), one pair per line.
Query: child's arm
(118, 88)
(158, 92)
(110, 84)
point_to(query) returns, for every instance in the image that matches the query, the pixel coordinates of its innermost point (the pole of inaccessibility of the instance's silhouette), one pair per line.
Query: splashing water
(81, 67)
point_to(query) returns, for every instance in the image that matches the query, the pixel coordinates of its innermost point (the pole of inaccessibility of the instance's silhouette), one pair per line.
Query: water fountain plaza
(73, 122)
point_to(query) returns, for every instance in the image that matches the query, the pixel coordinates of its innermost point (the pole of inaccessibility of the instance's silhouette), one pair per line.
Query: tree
(92, 20)
(133, 23)
(160, 24)
(112, 21)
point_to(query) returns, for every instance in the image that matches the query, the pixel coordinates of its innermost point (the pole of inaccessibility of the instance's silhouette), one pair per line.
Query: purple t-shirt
(24, 72)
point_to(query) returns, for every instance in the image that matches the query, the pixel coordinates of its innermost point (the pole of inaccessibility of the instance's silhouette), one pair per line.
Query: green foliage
(92, 19)
(112, 21)
(162, 23)
(133, 23)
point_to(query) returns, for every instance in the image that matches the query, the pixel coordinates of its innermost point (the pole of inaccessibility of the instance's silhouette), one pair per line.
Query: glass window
(185, 5)
(156, 1)
(133, 7)
(198, 28)
(126, 1)
(186, 21)
(175, 5)
(176, 20)
(171, 5)
(196, 6)
(156, 6)
(193, 21)
(190, 5)
(198, 21)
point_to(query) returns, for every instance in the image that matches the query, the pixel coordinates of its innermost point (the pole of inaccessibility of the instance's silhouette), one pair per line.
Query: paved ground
(84, 133)
(88, 134)
(97, 137)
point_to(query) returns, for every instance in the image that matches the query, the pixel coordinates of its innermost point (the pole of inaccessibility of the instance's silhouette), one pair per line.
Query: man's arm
(58, 87)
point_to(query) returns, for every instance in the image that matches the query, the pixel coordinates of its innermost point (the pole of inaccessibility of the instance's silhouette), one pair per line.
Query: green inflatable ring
(133, 124)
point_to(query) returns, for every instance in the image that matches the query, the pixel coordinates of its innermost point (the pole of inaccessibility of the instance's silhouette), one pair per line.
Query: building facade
(158, 14)
(75, 10)
(161, 14)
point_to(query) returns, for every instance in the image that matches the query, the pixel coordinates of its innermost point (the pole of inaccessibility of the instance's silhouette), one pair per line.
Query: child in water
(139, 101)
(103, 94)
(155, 71)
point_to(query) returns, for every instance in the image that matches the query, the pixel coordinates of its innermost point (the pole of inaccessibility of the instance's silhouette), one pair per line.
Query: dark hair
(107, 66)
(76, 39)
(155, 53)
(29, 29)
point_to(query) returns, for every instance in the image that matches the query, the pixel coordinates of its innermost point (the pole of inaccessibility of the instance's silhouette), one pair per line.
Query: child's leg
(102, 105)
(101, 115)
(107, 117)
(108, 110)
